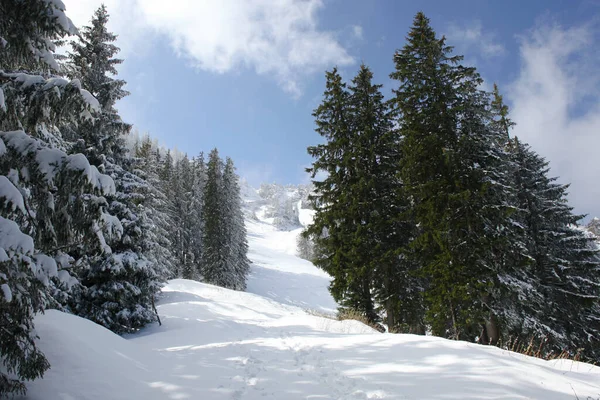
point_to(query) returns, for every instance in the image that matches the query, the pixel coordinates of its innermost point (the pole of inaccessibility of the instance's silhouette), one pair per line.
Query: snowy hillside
(219, 344)
(276, 271)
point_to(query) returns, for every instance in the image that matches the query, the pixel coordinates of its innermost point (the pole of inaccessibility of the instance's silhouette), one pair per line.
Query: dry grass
(345, 314)
(535, 347)
(322, 314)
(355, 315)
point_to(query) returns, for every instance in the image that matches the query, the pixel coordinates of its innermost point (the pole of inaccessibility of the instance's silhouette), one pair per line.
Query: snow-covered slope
(279, 275)
(218, 344)
(276, 271)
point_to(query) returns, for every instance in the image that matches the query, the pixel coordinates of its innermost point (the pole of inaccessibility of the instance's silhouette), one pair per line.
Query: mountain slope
(219, 344)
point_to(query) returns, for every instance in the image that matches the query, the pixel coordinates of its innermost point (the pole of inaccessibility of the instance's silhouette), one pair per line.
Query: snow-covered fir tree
(181, 196)
(214, 244)
(120, 284)
(92, 61)
(147, 165)
(234, 228)
(305, 247)
(51, 202)
(195, 216)
(560, 299)
(224, 246)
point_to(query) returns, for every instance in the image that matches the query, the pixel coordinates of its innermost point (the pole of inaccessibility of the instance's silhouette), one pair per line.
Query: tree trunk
(492, 329)
(454, 325)
(391, 316)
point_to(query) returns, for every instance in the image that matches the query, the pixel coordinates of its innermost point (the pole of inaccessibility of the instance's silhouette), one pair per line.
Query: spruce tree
(336, 219)
(215, 269)
(561, 301)
(234, 228)
(446, 148)
(195, 215)
(182, 192)
(92, 62)
(147, 165)
(383, 228)
(119, 285)
(50, 202)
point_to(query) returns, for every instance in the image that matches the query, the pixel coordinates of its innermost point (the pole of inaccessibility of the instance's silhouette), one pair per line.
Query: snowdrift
(264, 344)
(220, 344)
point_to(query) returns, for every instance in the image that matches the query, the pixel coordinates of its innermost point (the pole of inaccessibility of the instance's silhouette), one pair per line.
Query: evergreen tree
(182, 201)
(224, 245)
(120, 284)
(165, 186)
(148, 164)
(195, 215)
(214, 243)
(234, 228)
(375, 201)
(546, 285)
(386, 226)
(563, 293)
(92, 62)
(305, 247)
(360, 201)
(28, 33)
(50, 202)
(446, 167)
(335, 223)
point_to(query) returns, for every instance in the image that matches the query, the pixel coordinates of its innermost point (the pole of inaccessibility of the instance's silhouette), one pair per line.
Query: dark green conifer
(445, 148)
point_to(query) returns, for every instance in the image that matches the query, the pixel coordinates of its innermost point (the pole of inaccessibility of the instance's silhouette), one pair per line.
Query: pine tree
(148, 163)
(50, 202)
(92, 62)
(214, 242)
(120, 284)
(234, 228)
(446, 151)
(196, 216)
(385, 227)
(562, 296)
(336, 220)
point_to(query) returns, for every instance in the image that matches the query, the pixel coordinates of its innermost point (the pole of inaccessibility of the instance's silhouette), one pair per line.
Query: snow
(277, 273)
(12, 195)
(215, 343)
(305, 215)
(11, 238)
(26, 80)
(2, 100)
(6, 292)
(91, 101)
(50, 160)
(59, 12)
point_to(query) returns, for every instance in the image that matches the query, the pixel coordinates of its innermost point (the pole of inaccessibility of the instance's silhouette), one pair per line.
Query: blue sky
(244, 76)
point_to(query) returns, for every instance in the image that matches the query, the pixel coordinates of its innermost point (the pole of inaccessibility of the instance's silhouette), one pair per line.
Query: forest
(432, 218)
(88, 226)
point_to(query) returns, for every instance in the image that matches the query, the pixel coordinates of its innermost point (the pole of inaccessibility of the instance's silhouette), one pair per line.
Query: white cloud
(357, 30)
(556, 105)
(472, 38)
(279, 39)
(256, 173)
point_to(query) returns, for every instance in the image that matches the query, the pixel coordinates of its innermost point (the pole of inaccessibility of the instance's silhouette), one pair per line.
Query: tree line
(434, 219)
(87, 226)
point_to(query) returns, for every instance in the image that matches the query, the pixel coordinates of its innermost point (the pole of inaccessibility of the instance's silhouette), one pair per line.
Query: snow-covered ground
(279, 275)
(219, 344)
